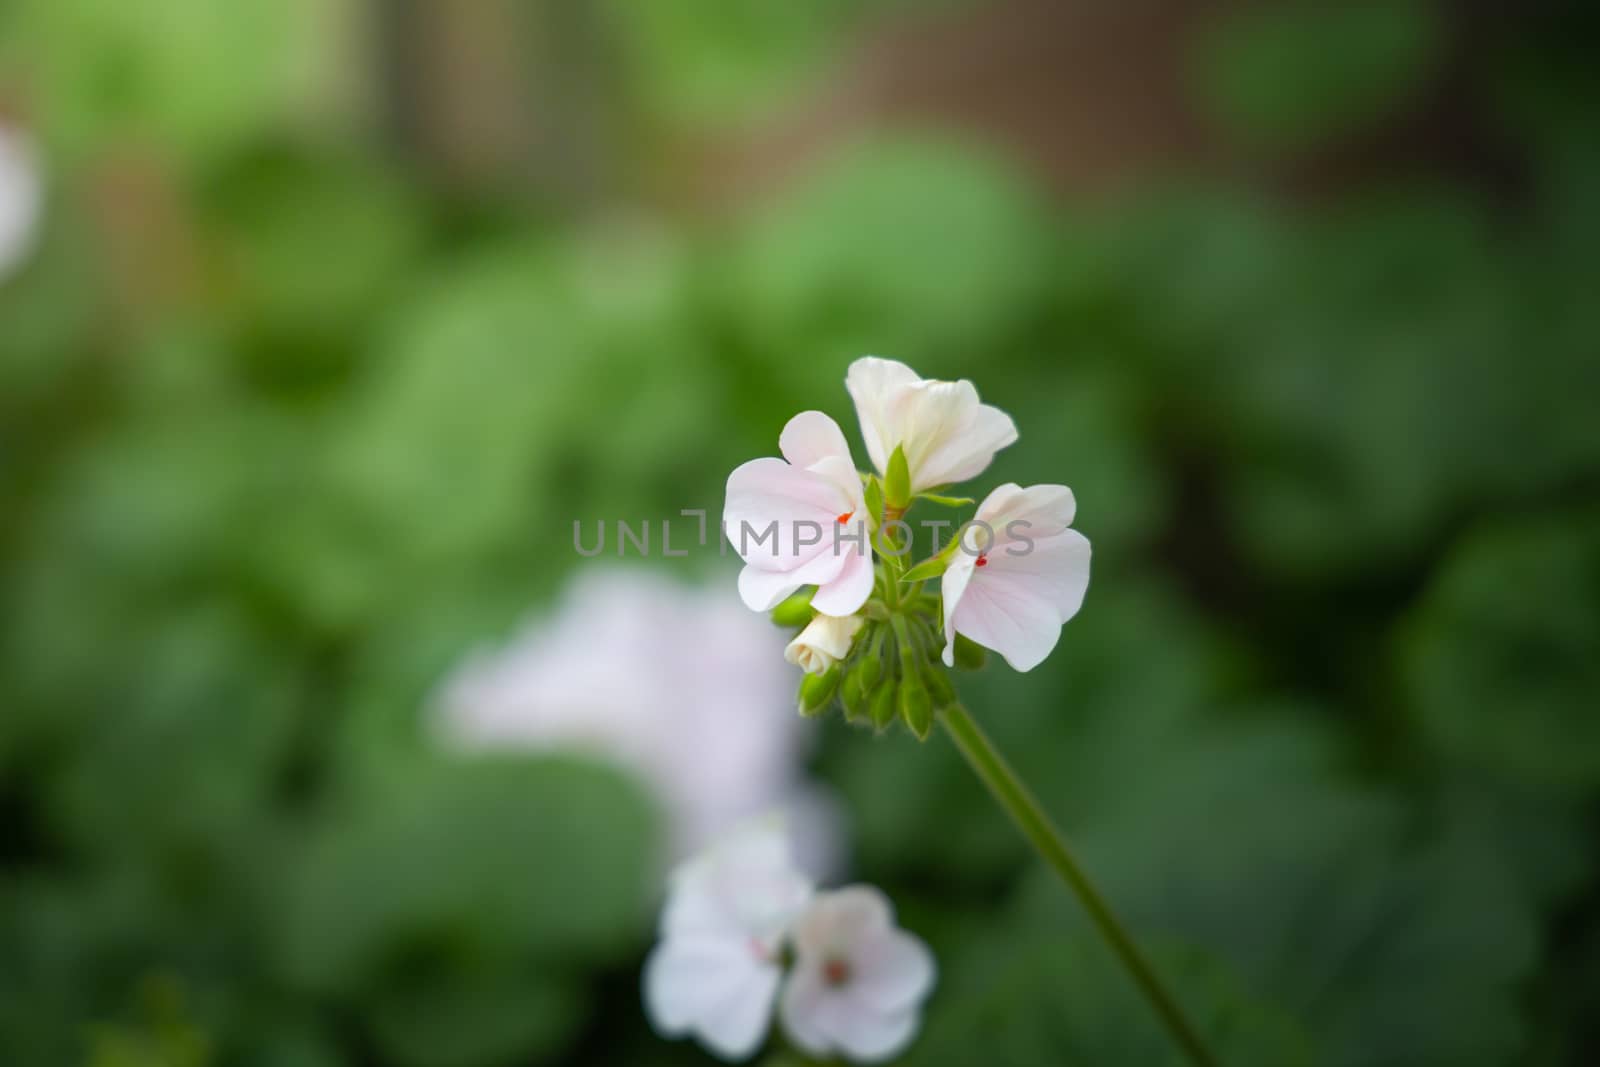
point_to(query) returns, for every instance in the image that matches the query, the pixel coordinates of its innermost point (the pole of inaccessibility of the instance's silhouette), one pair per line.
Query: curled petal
(762, 588)
(952, 587)
(811, 437)
(849, 589)
(1035, 512)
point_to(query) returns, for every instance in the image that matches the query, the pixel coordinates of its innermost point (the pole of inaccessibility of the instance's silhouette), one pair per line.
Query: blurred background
(322, 320)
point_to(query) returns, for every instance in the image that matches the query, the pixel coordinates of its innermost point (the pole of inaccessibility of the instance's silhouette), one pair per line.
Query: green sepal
(795, 610)
(946, 501)
(897, 481)
(970, 656)
(874, 498)
(881, 705)
(928, 568)
(916, 707)
(816, 690)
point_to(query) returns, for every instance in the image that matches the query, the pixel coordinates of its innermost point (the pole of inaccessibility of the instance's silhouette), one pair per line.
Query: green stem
(1035, 825)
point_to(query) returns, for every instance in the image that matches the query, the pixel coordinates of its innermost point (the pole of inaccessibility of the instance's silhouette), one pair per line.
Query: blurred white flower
(947, 433)
(21, 196)
(716, 972)
(824, 642)
(858, 982)
(801, 520)
(679, 685)
(1020, 577)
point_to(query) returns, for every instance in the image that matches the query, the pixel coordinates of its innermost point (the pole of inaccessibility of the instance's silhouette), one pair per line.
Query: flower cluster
(672, 682)
(740, 916)
(825, 547)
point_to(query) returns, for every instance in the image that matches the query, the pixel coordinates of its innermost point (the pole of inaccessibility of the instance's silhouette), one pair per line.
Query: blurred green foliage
(1326, 727)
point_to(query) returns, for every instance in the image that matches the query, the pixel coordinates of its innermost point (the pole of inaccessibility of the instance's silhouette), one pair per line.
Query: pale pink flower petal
(875, 385)
(677, 684)
(851, 587)
(858, 981)
(716, 972)
(801, 521)
(1016, 595)
(713, 990)
(811, 437)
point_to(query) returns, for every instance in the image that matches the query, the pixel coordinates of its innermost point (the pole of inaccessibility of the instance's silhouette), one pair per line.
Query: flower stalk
(1013, 795)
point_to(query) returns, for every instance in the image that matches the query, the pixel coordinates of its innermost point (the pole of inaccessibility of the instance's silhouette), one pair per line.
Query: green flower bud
(870, 670)
(796, 610)
(816, 690)
(916, 707)
(853, 693)
(970, 656)
(882, 704)
(910, 656)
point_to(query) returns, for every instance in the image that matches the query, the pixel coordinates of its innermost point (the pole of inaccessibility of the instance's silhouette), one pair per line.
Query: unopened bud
(853, 694)
(881, 706)
(870, 669)
(816, 690)
(823, 643)
(939, 687)
(916, 706)
(795, 610)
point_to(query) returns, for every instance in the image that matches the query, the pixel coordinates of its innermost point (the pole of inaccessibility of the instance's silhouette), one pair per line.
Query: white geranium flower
(824, 642)
(677, 684)
(1019, 576)
(21, 197)
(858, 982)
(716, 972)
(801, 520)
(947, 433)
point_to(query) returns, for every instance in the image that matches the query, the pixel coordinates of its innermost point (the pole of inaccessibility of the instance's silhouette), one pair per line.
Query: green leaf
(1063, 999)
(1502, 656)
(1299, 74)
(476, 1020)
(422, 869)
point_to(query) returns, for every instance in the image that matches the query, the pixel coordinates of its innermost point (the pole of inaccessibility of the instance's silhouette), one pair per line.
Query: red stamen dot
(845, 517)
(983, 561)
(836, 972)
